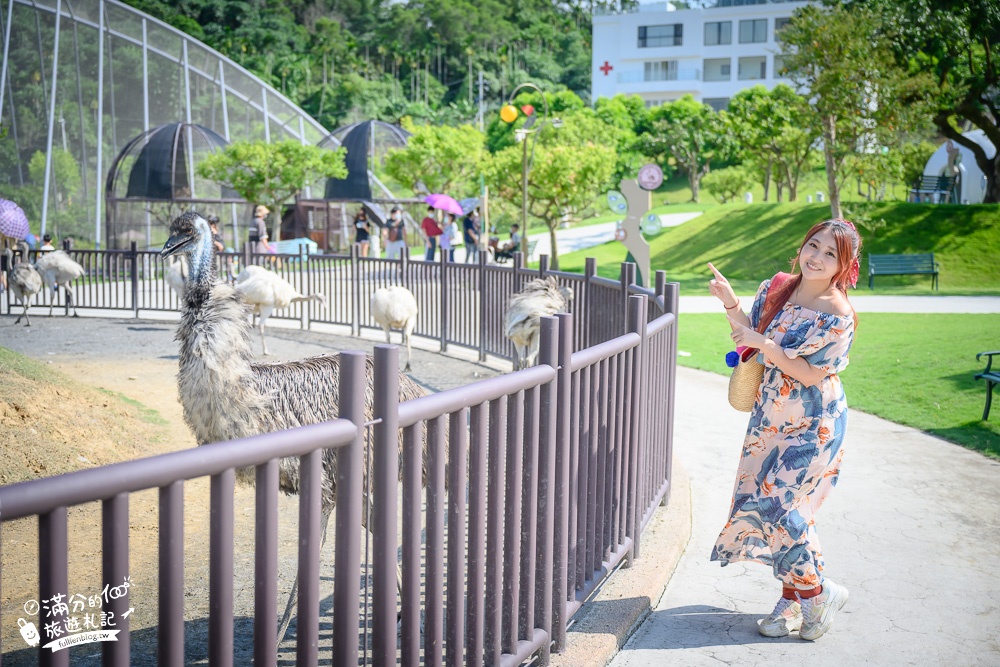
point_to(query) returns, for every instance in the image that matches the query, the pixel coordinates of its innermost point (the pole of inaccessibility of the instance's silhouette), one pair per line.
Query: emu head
(191, 236)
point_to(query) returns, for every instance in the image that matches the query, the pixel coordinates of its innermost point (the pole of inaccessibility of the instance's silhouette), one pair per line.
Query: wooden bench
(898, 265)
(991, 376)
(934, 190)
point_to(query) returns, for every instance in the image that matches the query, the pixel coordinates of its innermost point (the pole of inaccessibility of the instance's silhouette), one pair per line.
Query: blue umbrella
(469, 205)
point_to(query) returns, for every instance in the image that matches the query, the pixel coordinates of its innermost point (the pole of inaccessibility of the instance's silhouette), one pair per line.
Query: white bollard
(809, 199)
(819, 196)
(748, 197)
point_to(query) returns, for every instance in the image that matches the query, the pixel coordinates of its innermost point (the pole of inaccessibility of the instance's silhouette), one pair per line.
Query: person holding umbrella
(432, 230)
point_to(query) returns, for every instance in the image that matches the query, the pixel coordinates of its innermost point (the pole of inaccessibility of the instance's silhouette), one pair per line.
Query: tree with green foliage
(956, 44)
(727, 184)
(691, 133)
(860, 99)
(774, 130)
(272, 174)
(438, 158)
(562, 183)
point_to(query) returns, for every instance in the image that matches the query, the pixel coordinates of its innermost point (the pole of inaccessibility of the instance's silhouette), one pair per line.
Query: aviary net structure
(80, 79)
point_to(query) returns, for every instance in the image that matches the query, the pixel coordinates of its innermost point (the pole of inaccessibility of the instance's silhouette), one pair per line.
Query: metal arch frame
(294, 126)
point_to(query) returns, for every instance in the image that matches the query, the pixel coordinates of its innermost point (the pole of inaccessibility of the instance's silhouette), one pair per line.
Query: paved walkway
(913, 531)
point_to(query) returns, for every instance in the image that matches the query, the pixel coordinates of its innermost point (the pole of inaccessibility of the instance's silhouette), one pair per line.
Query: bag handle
(777, 281)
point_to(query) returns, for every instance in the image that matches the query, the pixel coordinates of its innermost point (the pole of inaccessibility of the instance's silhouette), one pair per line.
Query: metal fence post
(627, 278)
(560, 545)
(356, 292)
(543, 265)
(483, 300)
(114, 547)
(347, 557)
(386, 473)
(444, 264)
(548, 409)
(133, 254)
(636, 324)
(589, 273)
(304, 289)
(672, 299)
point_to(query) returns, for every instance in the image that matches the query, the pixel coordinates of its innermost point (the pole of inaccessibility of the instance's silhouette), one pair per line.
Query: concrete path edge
(603, 626)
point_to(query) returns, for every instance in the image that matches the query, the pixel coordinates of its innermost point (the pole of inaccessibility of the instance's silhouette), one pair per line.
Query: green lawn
(912, 369)
(749, 242)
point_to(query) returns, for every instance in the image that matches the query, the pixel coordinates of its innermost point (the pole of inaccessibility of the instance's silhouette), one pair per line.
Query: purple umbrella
(13, 221)
(445, 203)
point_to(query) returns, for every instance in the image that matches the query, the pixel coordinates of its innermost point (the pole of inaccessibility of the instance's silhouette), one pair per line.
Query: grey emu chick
(22, 280)
(539, 298)
(58, 269)
(226, 395)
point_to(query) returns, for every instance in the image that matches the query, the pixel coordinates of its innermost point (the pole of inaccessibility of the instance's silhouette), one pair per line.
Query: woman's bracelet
(732, 307)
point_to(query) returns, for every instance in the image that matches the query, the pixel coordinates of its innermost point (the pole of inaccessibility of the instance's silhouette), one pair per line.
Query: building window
(717, 69)
(752, 68)
(753, 31)
(661, 35)
(717, 103)
(661, 70)
(718, 32)
(779, 66)
(780, 23)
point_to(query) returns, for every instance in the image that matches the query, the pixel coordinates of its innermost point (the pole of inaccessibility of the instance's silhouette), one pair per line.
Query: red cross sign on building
(606, 68)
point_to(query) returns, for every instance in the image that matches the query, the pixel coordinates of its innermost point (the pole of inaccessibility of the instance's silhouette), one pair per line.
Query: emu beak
(174, 244)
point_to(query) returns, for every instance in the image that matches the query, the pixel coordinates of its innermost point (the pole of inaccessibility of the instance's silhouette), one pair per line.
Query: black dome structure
(155, 174)
(364, 141)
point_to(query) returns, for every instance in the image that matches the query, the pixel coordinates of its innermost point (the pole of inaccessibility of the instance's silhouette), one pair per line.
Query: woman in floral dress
(792, 451)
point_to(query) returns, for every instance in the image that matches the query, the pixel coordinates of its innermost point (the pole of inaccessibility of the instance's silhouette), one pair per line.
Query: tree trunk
(767, 182)
(694, 180)
(554, 250)
(992, 194)
(829, 136)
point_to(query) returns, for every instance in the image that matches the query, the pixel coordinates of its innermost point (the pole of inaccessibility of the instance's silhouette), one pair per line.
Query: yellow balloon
(508, 113)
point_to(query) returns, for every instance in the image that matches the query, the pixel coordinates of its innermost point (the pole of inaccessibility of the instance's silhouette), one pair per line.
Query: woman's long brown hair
(848, 248)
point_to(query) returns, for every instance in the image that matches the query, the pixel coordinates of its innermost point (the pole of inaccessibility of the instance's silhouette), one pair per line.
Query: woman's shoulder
(837, 304)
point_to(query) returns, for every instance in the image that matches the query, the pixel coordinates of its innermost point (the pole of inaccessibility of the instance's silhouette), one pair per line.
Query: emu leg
(24, 304)
(69, 302)
(55, 297)
(263, 342)
(293, 596)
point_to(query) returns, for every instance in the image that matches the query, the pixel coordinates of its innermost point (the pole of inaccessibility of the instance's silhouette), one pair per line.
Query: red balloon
(528, 109)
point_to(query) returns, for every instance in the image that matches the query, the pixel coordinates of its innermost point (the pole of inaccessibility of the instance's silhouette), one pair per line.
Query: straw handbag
(748, 372)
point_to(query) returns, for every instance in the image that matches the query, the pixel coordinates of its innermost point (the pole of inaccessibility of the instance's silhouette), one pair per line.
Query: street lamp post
(509, 113)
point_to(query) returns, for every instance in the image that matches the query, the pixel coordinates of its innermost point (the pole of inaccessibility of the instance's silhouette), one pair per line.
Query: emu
(539, 298)
(266, 291)
(57, 269)
(23, 280)
(395, 307)
(225, 395)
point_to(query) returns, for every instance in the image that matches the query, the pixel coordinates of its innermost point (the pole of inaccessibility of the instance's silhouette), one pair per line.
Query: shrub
(729, 183)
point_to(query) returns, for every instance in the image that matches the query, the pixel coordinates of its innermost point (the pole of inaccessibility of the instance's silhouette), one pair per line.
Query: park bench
(933, 189)
(898, 265)
(502, 256)
(991, 376)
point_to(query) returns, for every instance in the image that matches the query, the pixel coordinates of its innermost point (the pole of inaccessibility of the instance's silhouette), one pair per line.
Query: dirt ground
(137, 359)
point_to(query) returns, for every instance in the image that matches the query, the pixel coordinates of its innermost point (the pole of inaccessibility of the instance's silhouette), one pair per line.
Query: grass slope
(913, 369)
(50, 424)
(749, 242)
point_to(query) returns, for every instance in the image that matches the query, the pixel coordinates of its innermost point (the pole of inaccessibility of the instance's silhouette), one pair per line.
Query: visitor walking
(431, 229)
(395, 234)
(803, 325)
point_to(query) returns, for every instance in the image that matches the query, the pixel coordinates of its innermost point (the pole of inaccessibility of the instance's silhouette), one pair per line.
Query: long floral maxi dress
(792, 451)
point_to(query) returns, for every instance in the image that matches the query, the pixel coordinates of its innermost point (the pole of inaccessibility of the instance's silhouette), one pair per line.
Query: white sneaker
(818, 612)
(786, 617)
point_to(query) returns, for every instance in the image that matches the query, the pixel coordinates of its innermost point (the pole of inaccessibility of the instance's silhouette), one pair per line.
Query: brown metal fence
(538, 484)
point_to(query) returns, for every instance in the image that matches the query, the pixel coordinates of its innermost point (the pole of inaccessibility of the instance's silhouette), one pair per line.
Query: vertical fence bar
(133, 255)
(548, 356)
(512, 525)
(265, 598)
(529, 516)
(484, 301)
(589, 273)
(477, 539)
(386, 472)
(457, 451)
(170, 633)
(310, 509)
(434, 616)
(636, 323)
(114, 548)
(562, 445)
(220, 584)
(350, 471)
(583, 480)
(444, 292)
(600, 485)
(53, 578)
(494, 532)
(673, 295)
(356, 292)
(412, 467)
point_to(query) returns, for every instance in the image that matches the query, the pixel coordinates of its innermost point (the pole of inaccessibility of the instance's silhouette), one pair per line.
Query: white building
(662, 53)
